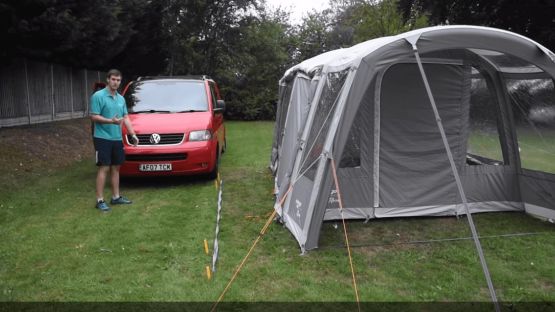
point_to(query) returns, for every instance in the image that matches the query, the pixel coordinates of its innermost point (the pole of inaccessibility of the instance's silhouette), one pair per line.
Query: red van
(180, 125)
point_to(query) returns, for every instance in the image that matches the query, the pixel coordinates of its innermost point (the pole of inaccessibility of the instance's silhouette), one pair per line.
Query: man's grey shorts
(108, 152)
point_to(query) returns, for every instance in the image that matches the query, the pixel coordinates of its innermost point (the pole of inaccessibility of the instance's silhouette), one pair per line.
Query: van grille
(165, 139)
(155, 157)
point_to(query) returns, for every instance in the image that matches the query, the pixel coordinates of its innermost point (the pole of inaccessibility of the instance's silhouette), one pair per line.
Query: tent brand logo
(333, 197)
(154, 138)
(298, 204)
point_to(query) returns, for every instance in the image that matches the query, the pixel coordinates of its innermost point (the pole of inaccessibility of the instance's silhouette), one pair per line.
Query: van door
(217, 117)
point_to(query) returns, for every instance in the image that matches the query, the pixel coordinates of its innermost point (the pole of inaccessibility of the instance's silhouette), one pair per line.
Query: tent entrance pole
(458, 181)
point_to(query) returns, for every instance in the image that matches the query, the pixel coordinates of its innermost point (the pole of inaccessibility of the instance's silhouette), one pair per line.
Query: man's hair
(113, 72)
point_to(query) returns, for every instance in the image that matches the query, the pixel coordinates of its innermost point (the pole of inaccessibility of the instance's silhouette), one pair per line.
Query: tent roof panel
(351, 56)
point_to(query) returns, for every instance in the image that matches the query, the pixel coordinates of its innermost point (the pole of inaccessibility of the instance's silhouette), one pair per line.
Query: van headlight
(201, 135)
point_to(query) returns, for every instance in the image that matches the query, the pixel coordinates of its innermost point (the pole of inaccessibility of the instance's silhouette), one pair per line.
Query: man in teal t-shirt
(109, 112)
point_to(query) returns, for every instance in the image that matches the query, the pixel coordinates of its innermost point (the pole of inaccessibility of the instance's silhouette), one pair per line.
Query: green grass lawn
(537, 148)
(56, 247)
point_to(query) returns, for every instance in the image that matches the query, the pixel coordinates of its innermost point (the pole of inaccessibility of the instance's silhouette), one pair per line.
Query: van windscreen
(167, 96)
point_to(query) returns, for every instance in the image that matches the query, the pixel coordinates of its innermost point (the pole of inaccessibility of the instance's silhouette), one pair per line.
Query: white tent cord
(430, 241)
(216, 248)
(458, 182)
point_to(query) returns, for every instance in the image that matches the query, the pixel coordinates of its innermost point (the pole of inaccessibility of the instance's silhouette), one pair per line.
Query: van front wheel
(225, 146)
(214, 173)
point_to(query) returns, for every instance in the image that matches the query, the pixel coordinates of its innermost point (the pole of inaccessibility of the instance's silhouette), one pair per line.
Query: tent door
(413, 167)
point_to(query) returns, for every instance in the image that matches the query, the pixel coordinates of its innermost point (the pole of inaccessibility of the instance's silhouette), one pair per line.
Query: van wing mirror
(220, 106)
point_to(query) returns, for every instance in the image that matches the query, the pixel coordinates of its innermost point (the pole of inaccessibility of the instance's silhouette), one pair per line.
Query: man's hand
(135, 140)
(116, 120)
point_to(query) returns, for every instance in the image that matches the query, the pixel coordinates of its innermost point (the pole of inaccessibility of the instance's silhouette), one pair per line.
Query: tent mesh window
(351, 153)
(510, 64)
(484, 141)
(322, 120)
(360, 136)
(533, 106)
(282, 113)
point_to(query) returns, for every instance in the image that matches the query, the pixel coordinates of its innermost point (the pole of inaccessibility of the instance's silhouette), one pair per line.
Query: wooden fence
(33, 92)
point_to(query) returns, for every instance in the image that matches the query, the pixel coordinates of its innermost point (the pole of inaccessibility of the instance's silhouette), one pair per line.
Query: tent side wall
(299, 106)
(538, 192)
(537, 188)
(285, 89)
(294, 212)
(298, 211)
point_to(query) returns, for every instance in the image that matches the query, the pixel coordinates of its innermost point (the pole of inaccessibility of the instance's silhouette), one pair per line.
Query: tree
(373, 19)
(202, 32)
(70, 32)
(251, 74)
(353, 21)
(312, 36)
(147, 51)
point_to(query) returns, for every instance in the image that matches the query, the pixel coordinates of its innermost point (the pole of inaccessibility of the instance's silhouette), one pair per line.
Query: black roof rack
(195, 77)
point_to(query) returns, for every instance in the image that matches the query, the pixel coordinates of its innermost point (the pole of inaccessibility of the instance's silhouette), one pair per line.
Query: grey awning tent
(368, 109)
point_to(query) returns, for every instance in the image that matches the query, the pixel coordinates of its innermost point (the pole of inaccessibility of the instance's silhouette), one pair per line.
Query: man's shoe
(120, 200)
(102, 206)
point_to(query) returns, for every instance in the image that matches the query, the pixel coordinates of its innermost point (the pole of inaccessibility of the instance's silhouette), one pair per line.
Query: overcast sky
(298, 8)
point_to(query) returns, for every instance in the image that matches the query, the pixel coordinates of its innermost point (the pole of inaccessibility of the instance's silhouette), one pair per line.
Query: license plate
(155, 167)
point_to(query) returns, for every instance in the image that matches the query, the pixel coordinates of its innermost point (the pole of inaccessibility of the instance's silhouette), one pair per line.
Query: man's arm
(130, 130)
(101, 119)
